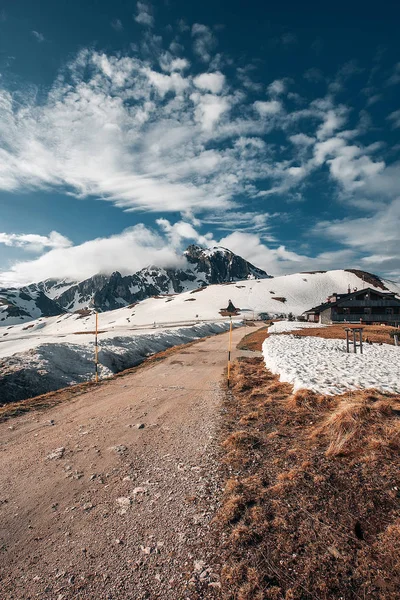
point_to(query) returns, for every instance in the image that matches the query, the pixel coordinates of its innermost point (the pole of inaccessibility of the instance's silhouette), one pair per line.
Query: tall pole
(229, 350)
(96, 350)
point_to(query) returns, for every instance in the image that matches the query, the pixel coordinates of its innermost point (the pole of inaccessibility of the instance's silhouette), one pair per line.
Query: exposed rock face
(220, 265)
(204, 267)
(19, 305)
(81, 294)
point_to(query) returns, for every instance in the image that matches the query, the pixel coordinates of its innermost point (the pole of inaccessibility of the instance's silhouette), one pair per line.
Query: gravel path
(111, 495)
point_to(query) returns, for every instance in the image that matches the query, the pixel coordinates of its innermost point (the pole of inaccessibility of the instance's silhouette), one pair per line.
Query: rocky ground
(111, 495)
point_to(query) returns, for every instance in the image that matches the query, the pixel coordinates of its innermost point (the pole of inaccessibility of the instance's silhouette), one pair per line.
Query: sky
(129, 130)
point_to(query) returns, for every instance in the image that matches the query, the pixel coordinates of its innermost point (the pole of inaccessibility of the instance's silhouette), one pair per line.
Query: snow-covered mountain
(215, 272)
(102, 292)
(20, 305)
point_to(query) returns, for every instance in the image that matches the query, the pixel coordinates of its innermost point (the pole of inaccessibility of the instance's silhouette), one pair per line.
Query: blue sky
(130, 129)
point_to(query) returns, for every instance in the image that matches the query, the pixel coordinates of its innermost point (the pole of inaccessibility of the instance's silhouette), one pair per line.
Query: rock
(124, 501)
(57, 453)
(139, 490)
(145, 549)
(88, 506)
(199, 566)
(140, 426)
(120, 449)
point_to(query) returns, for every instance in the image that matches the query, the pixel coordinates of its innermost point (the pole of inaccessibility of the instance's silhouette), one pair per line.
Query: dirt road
(111, 494)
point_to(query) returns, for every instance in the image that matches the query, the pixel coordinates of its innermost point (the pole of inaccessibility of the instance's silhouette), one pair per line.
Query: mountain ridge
(109, 292)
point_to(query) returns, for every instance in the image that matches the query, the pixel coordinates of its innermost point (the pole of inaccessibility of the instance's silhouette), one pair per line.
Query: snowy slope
(57, 362)
(19, 306)
(323, 365)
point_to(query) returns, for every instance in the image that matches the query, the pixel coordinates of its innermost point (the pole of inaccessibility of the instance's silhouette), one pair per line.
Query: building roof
(343, 297)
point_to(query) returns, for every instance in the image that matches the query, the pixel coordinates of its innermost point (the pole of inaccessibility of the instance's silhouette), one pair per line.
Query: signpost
(96, 350)
(229, 349)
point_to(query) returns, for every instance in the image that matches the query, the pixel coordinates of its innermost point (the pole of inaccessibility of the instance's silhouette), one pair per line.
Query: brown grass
(253, 341)
(361, 424)
(375, 333)
(310, 508)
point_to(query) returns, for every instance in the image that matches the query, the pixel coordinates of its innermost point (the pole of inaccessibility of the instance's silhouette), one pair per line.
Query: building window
(367, 310)
(389, 311)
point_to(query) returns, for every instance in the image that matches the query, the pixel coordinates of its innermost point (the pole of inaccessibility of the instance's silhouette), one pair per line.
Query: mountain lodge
(367, 306)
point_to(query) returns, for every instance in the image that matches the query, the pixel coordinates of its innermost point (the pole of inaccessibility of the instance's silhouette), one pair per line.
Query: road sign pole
(229, 351)
(96, 351)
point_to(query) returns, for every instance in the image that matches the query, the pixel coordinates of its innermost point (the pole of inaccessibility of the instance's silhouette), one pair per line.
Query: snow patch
(323, 365)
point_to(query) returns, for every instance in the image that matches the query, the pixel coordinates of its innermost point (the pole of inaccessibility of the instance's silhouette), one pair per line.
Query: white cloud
(33, 242)
(395, 118)
(204, 42)
(170, 63)
(301, 139)
(376, 237)
(333, 120)
(209, 109)
(144, 16)
(127, 252)
(39, 37)
(273, 107)
(211, 82)
(278, 87)
(181, 233)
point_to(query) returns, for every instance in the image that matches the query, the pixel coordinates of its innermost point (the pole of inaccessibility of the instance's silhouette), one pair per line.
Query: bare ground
(93, 507)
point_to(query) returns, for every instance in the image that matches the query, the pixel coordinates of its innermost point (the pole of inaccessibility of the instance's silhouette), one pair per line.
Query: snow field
(322, 365)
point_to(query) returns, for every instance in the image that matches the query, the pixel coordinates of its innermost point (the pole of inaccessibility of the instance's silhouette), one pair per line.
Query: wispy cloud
(33, 242)
(394, 78)
(204, 42)
(144, 14)
(39, 37)
(177, 129)
(116, 24)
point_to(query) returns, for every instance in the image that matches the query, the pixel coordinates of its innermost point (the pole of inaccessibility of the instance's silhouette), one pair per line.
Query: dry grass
(253, 341)
(364, 423)
(311, 503)
(378, 334)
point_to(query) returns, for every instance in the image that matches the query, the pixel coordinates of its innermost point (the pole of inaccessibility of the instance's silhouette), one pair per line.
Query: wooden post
(229, 351)
(96, 351)
(347, 330)
(354, 341)
(361, 340)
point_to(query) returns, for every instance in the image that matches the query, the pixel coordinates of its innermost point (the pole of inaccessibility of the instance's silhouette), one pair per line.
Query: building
(367, 306)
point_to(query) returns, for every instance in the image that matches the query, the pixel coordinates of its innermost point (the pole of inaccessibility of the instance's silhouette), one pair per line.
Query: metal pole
(96, 351)
(229, 350)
